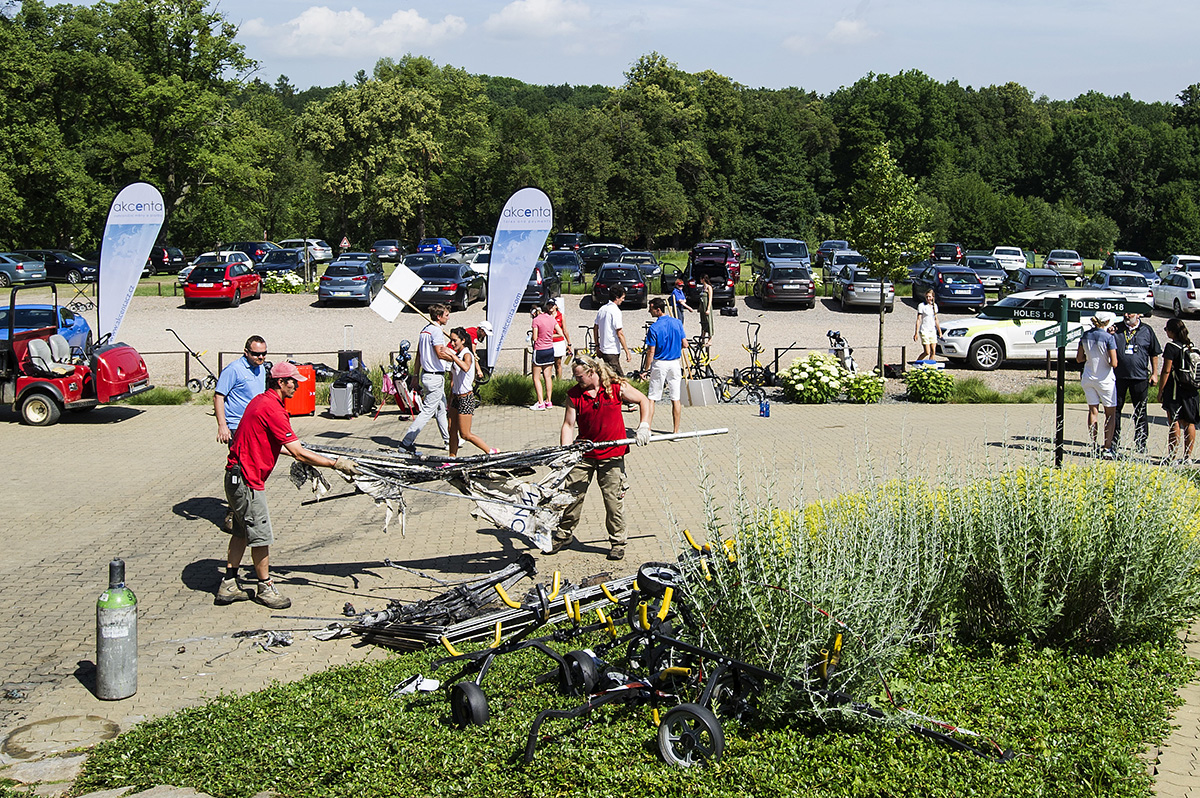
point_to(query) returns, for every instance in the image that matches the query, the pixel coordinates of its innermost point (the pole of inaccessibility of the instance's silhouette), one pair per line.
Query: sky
(1056, 48)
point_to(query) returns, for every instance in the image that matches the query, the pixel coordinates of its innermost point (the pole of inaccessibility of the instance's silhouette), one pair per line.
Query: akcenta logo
(137, 207)
(527, 213)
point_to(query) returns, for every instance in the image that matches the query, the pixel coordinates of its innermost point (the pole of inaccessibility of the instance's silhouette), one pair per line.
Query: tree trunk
(882, 314)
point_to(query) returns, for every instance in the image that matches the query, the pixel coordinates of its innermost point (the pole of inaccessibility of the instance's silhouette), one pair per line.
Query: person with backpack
(1098, 352)
(1179, 390)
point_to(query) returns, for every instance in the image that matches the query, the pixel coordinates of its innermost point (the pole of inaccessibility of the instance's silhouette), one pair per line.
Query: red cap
(285, 369)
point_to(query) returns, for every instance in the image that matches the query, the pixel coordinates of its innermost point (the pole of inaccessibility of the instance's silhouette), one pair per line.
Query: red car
(225, 282)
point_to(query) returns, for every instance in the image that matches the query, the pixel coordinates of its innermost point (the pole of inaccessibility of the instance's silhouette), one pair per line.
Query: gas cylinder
(116, 637)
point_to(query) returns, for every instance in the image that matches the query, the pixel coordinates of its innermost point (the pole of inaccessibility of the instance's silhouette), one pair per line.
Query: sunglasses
(252, 353)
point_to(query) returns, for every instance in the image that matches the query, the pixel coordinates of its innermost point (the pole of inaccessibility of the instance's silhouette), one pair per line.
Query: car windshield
(789, 273)
(637, 257)
(344, 270)
(419, 260)
(1127, 280)
(983, 263)
(1008, 252)
(280, 256)
(30, 318)
(562, 258)
(483, 257)
(1046, 281)
(786, 249)
(430, 242)
(439, 271)
(835, 244)
(207, 274)
(1064, 254)
(849, 259)
(710, 252)
(960, 278)
(620, 274)
(1132, 265)
(385, 243)
(354, 256)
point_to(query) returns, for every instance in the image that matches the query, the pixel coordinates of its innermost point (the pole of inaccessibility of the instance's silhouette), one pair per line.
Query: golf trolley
(841, 350)
(400, 383)
(194, 385)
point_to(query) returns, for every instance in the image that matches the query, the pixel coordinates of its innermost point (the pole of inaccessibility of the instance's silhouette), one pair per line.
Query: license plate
(790, 285)
(431, 289)
(962, 293)
(140, 385)
(341, 293)
(204, 285)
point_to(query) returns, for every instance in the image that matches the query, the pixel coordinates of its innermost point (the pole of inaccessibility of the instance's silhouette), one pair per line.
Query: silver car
(1179, 292)
(858, 287)
(355, 276)
(318, 250)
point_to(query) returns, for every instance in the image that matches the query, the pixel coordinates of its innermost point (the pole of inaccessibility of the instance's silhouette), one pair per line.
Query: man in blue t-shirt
(240, 381)
(679, 301)
(664, 347)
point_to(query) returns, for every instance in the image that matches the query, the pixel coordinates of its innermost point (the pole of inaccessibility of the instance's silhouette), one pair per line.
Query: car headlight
(957, 332)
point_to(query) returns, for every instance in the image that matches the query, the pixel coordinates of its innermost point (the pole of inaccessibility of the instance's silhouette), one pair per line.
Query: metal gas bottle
(116, 637)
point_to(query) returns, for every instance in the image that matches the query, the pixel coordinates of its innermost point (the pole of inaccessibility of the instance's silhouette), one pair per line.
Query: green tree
(887, 223)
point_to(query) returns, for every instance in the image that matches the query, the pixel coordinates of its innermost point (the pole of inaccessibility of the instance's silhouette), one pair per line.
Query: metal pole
(1060, 392)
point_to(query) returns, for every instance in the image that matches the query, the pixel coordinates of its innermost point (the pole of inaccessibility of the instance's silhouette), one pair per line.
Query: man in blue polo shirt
(664, 347)
(240, 381)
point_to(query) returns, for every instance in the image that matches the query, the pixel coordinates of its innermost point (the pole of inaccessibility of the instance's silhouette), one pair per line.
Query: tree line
(94, 97)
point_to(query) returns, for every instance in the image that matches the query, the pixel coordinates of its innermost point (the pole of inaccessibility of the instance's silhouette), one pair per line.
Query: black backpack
(360, 384)
(1188, 373)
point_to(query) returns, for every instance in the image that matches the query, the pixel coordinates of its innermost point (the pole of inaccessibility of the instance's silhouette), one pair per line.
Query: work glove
(643, 434)
(346, 466)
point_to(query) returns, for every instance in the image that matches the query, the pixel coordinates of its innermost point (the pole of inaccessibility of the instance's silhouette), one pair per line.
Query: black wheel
(5, 280)
(653, 578)
(88, 345)
(1177, 309)
(237, 299)
(755, 375)
(468, 705)
(755, 396)
(258, 290)
(721, 387)
(460, 301)
(985, 354)
(210, 382)
(194, 386)
(74, 277)
(689, 734)
(581, 676)
(40, 410)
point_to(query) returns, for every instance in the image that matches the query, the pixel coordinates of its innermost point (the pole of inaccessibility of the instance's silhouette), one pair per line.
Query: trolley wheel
(468, 705)
(210, 382)
(40, 410)
(654, 578)
(755, 396)
(580, 676)
(689, 734)
(194, 385)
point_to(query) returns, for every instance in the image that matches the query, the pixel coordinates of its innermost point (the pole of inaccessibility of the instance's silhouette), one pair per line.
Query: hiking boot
(616, 553)
(558, 544)
(230, 591)
(269, 596)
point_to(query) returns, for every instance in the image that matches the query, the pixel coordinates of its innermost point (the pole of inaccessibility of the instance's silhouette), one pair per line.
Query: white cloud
(321, 31)
(797, 43)
(540, 19)
(850, 31)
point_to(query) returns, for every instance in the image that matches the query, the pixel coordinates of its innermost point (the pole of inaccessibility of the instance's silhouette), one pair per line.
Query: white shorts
(668, 373)
(560, 348)
(1100, 392)
(928, 337)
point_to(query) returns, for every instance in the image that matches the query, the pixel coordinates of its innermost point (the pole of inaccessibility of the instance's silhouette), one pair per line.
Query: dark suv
(575, 241)
(946, 253)
(64, 266)
(166, 259)
(626, 275)
(713, 260)
(257, 250)
(596, 255)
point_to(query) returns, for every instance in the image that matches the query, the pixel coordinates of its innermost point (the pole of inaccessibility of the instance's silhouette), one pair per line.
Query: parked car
(989, 270)
(786, 284)
(257, 250)
(16, 268)
(229, 282)
(836, 261)
(388, 249)
(644, 261)
(713, 251)
(1028, 279)
(474, 241)
(738, 251)
(64, 266)
(1066, 262)
(1011, 258)
(418, 259)
(356, 276)
(1132, 284)
(1132, 262)
(281, 260)
(988, 339)
(567, 263)
(318, 250)
(454, 284)
(787, 252)
(71, 325)
(826, 249)
(915, 270)
(543, 284)
(213, 259)
(946, 253)
(441, 246)
(952, 286)
(626, 275)
(479, 260)
(1179, 263)
(713, 260)
(1179, 292)
(165, 260)
(596, 255)
(575, 241)
(856, 287)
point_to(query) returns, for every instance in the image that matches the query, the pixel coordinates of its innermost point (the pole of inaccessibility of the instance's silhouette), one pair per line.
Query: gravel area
(293, 325)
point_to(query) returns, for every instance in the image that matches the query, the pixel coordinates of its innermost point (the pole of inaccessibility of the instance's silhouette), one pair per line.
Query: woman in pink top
(562, 341)
(544, 328)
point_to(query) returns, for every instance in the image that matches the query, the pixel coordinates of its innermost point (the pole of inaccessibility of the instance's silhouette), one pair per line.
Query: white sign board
(396, 292)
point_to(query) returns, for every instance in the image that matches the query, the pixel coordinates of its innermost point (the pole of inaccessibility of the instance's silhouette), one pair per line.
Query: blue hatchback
(952, 285)
(441, 246)
(70, 324)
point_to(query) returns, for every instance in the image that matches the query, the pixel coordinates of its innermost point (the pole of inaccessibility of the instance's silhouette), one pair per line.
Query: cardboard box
(698, 393)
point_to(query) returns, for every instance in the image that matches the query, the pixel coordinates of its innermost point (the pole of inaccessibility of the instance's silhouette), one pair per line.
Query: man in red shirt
(595, 403)
(265, 429)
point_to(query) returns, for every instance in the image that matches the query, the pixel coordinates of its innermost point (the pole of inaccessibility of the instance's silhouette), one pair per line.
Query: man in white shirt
(433, 356)
(610, 337)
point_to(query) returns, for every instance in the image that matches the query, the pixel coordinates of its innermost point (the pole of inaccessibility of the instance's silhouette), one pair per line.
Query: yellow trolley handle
(608, 594)
(454, 652)
(557, 586)
(496, 639)
(666, 605)
(691, 540)
(504, 597)
(607, 623)
(643, 617)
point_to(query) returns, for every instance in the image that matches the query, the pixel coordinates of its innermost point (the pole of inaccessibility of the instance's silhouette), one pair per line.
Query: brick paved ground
(144, 484)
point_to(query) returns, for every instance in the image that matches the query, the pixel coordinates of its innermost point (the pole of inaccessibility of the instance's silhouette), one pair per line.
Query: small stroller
(400, 383)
